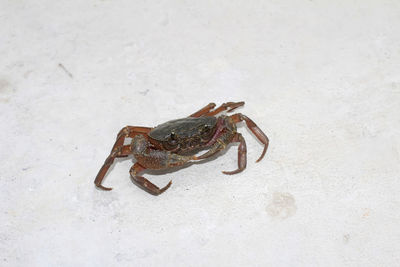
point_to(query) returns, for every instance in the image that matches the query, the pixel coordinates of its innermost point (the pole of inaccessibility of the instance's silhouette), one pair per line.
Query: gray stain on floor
(281, 206)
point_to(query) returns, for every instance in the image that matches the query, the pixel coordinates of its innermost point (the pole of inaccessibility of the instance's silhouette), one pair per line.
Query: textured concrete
(322, 78)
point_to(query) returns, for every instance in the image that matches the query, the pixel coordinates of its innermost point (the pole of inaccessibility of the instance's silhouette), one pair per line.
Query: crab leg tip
(262, 155)
(235, 105)
(232, 172)
(103, 187)
(165, 187)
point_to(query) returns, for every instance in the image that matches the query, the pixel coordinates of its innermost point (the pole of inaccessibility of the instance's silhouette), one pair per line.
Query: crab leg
(229, 107)
(144, 183)
(254, 129)
(207, 110)
(131, 131)
(242, 154)
(118, 151)
(204, 110)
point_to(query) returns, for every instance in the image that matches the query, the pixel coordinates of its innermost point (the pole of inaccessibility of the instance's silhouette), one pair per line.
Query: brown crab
(177, 142)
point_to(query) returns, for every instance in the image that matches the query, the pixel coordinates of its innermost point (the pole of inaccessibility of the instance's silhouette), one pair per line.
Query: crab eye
(172, 139)
(206, 131)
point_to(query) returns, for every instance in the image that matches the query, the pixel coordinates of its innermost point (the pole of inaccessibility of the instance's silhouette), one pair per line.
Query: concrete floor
(321, 78)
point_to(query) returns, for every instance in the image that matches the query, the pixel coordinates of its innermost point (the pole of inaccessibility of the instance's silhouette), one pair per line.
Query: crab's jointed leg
(203, 111)
(118, 151)
(132, 131)
(207, 110)
(254, 129)
(242, 154)
(229, 107)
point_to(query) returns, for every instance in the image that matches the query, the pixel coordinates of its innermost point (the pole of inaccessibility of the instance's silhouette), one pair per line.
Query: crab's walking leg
(144, 183)
(229, 107)
(242, 154)
(204, 110)
(207, 110)
(254, 129)
(118, 150)
(132, 131)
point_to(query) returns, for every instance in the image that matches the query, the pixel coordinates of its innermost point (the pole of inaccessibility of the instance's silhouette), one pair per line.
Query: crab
(178, 142)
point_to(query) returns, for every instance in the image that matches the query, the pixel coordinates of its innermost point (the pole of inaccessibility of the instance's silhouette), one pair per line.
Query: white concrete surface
(322, 78)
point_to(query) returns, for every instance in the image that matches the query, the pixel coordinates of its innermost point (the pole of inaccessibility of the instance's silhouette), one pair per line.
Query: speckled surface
(322, 79)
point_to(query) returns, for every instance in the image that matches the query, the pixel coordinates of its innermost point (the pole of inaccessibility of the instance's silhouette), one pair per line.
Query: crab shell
(184, 134)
